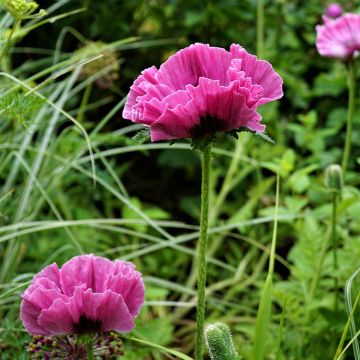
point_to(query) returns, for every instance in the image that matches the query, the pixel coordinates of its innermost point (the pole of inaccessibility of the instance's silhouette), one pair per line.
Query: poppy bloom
(339, 38)
(334, 10)
(88, 294)
(202, 90)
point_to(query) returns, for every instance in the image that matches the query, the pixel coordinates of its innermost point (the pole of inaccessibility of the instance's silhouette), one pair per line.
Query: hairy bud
(219, 342)
(334, 178)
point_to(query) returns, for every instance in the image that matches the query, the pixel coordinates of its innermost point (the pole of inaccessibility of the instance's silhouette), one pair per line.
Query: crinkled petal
(60, 317)
(42, 283)
(37, 297)
(154, 108)
(108, 308)
(261, 73)
(163, 100)
(87, 271)
(193, 62)
(339, 38)
(50, 272)
(175, 123)
(252, 92)
(136, 90)
(128, 282)
(226, 103)
(212, 108)
(153, 93)
(29, 315)
(41, 296)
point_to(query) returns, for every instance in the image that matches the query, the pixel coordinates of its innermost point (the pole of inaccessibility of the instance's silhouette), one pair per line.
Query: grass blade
(264, 311)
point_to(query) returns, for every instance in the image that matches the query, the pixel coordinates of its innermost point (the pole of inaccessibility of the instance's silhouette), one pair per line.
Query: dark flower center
(87, 325)
(209, 125)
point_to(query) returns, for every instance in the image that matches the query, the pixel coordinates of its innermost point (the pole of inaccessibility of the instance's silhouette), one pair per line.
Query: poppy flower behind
(339, 38)
(202, 90)
(88, 294)
(334, 10)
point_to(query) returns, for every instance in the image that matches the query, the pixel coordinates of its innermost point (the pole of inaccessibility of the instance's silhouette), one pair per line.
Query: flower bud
(334, 10)
(334, 178)
(219, 342)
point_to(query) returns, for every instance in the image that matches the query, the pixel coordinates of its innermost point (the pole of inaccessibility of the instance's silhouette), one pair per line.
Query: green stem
(330, 235)
(8, 41)
(84, 102)
(260, 29)
(90, 347)
(350, 115)
(318, 270)
(334, 246)
(204, 218)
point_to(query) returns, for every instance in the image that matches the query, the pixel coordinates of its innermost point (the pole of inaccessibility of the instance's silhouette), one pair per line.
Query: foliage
(73, 180)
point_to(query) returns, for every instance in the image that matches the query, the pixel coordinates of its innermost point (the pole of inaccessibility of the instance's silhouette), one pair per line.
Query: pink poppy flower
(334, 10)
(202, 90)
(88, 294)
(339, 38)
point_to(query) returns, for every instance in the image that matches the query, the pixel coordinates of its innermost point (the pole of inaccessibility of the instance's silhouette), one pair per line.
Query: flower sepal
(202, 143)
(142, 136)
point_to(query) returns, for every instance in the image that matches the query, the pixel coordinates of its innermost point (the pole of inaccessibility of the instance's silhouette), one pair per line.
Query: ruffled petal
(36, 298)
(226, 103)
(193, 62)
(153, 109)
(108, 309)
(29, 315)
(41, 296)
(153, 93)
(252, 92)
(261, 73)
(128, 282)
(173, 101)
(175, 123)
(50, 272)
(212, 108)
(87, 271)
(136, 90)
(60, 317)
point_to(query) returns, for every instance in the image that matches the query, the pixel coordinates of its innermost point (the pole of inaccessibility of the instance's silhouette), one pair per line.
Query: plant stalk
(90, 347)
(334, 245)
(8, 41)
(350, 114)
(260, 29)
(204, 219)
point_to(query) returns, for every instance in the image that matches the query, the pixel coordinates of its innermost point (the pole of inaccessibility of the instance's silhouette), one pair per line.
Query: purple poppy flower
(339, 38)
(88, 294)
(202, 90)
(334, 10)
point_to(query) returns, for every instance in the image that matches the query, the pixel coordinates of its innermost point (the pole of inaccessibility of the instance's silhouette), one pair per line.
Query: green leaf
(159, 347)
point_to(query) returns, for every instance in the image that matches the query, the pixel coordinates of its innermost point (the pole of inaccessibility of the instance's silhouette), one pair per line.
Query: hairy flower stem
(204, 218)
(90, 347)
(334, 245)
(350, 115)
